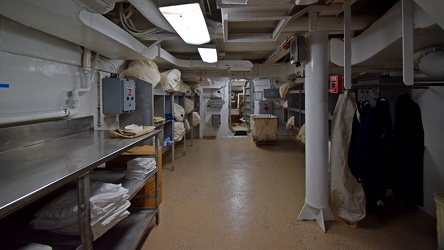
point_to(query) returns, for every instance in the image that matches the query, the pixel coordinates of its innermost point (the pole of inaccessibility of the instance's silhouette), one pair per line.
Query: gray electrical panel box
(297, 50)
(215, 120)
(119, 95)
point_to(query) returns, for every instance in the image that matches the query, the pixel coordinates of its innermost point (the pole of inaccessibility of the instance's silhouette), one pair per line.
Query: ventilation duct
(151, 12)
(430, 62)
(97, 6)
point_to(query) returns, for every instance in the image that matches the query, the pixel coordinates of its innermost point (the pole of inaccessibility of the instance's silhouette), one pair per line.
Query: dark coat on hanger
(408, 151)
(361, 150)
(383, 147)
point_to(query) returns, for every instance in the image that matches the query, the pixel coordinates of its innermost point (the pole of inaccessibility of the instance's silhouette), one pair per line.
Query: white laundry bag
(196, 119)
(284, 88)
(179, 131)
(179, 112)
(170, 80)
(187, 126)
(145, 70)
(189, 105)
(184, 88)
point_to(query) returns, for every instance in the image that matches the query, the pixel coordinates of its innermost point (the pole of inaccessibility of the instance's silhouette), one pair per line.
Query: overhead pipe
(151, 12)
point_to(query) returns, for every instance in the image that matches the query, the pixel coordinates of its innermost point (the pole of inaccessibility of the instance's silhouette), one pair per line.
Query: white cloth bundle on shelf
(108, 206)
(145, 70)
(171, 80)
(285, 105)
(301, 134)
(140, 168)
(284, 88)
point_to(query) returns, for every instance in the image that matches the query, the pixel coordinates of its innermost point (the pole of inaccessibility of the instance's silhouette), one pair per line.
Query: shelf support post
(84, 211)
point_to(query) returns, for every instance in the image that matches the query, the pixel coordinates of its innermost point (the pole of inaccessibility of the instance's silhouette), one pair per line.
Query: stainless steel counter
(30, 172)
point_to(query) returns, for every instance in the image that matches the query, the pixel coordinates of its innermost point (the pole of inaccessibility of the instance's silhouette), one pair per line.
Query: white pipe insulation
(151, 12)
(31, 116)
(316, 205)
(88, 75)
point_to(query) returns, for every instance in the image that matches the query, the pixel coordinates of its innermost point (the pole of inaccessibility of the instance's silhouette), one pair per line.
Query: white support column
(316, 205)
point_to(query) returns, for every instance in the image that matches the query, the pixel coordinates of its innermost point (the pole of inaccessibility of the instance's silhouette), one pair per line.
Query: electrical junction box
(297, 50)
(119, 95)
(215, 102)
(215, 120)
(335, 84)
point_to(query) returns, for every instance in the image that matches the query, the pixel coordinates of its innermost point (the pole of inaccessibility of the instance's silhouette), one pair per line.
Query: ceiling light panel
(208, 55)
(188, 21)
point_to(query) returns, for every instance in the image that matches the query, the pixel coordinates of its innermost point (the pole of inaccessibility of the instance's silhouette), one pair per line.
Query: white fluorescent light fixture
(188, 21)
(208, 55)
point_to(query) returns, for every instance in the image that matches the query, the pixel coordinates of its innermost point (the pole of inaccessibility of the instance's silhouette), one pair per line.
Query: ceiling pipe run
(151, 12)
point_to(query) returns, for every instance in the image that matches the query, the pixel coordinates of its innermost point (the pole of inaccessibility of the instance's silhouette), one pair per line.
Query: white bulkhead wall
(40, 72)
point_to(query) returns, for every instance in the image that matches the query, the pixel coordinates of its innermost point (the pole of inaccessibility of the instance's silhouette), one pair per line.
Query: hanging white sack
(179, 112)
(346, 195)
(189, 105)
(145, 70)
(170, 80)
(179, 131)
(196, 119)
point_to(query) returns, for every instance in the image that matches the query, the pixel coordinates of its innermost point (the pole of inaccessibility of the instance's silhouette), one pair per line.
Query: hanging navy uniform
(409, 151)
(383, 147)
(361, 151)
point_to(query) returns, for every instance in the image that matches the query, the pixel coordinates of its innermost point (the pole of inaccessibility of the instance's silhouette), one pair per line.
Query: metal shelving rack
(162, 105)
(296, 107)
(39, 167)
(248, 102)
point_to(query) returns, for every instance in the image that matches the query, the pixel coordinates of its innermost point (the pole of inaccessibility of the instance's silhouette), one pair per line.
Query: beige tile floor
(227, 193)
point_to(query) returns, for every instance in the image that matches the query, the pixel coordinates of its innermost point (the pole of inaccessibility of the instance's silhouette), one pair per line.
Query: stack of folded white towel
(140, 168)
(108, 206)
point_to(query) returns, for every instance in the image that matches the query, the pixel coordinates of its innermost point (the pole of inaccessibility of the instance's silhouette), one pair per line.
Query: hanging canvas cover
(346, 194)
